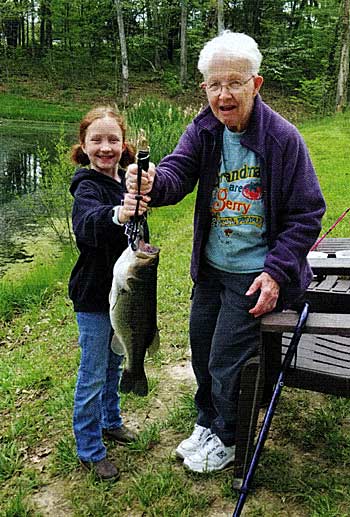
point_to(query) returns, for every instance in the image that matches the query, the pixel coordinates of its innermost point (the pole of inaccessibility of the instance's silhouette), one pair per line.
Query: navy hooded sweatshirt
(99, 240)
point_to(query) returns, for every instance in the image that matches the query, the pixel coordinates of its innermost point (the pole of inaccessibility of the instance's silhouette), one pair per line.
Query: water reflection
(21, 148)
(20, 173)
(20, 170)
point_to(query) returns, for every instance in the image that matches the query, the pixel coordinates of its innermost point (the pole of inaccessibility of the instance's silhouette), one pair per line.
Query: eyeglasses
(232, 87)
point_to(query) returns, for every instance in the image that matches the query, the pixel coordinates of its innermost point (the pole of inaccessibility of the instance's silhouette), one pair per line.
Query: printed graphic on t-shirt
(237, 236)
(237, 200)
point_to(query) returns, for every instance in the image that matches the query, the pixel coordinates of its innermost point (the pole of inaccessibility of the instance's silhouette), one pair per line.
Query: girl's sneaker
(213, 455)
(191, 444)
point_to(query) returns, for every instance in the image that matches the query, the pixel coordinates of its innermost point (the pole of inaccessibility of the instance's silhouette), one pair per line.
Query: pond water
(20, 175)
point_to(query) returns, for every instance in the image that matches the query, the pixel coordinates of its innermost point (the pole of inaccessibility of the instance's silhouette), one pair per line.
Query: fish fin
(129, 383)
(154, 346)
(117, 346)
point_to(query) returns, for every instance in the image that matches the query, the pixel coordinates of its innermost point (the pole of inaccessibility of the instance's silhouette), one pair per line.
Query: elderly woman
(258, 211)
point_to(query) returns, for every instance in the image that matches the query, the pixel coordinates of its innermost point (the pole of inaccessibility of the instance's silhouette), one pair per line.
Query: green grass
(327, 140)
(35, 288)
(24, 108)
(305, 463)
(162, 122)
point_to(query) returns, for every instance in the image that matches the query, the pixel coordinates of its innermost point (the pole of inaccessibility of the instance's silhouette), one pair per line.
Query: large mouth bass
(133, 312)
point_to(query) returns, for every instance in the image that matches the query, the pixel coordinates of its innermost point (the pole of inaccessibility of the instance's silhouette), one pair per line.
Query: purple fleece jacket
(293, 201)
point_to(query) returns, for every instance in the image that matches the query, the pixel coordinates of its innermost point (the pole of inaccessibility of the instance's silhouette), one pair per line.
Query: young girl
(101, 207)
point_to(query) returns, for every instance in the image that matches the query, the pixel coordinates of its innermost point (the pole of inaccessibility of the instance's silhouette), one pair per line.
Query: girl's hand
(147, 179)
(127, 210)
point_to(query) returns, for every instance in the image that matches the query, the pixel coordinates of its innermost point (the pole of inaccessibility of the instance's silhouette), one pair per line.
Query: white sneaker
(191, 444)
(212, 455)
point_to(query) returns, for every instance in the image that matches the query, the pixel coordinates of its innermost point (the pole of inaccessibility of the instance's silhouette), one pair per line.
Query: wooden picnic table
(332, 263)
(323, 358)
(330, 289)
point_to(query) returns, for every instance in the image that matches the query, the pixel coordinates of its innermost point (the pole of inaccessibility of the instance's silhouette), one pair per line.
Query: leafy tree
(80, 40)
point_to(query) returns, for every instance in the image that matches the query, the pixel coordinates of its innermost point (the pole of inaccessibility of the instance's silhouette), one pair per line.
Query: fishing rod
(330, 229)
(135, 228)
(291, 351)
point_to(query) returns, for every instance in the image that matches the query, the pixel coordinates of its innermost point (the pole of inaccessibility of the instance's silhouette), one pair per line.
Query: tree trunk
(183, 55)
(45, 25)
(155, 28)
(48, 25)
(123, 51)
(32, 24)
(342, 86)
(221, 22)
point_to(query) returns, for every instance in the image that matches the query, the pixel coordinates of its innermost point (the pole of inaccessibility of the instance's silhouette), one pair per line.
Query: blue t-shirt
(237, 238)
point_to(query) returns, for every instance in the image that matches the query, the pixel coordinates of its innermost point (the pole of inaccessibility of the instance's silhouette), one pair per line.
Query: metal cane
(271, 409)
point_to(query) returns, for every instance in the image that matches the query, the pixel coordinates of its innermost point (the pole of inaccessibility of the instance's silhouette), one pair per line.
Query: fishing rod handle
(143, 160)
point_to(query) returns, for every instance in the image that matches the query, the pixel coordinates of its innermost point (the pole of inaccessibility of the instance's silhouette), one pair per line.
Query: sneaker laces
(198, 432)
(211, 443)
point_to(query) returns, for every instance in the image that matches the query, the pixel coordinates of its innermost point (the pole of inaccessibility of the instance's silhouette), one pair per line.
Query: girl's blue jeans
(96, 399)
(223, 336)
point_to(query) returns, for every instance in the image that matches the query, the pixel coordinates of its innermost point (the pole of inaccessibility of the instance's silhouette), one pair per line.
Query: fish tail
(136, 384)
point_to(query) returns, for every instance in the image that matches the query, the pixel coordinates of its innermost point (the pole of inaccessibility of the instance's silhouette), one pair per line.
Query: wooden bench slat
(316, 362)
(331, 244)
(310, 354)
(342, 286)
(339, 345)
(317, 323)
(327, 283)
(318, 368)
(331, 341)
(313, 284)
(327, 266)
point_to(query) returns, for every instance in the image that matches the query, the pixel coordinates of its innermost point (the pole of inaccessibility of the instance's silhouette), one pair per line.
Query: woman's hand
(127, 210)
(269, 292)
(147, 179)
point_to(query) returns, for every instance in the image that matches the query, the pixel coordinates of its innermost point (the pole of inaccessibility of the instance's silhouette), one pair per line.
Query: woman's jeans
(96, 400)
(223, 336)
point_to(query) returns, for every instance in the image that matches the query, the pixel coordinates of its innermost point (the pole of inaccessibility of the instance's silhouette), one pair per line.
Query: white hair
(231, 45)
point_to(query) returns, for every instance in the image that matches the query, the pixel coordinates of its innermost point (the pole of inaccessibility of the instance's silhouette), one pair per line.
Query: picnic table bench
(323, 359)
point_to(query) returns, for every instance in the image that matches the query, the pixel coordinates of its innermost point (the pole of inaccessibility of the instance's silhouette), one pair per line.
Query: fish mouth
(146, 248)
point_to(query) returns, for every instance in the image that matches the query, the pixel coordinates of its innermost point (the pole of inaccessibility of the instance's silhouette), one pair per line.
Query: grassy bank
(305, 464)
(41, 101)
(327, 140)
(23, 292)
(303, 472)
(25, 108)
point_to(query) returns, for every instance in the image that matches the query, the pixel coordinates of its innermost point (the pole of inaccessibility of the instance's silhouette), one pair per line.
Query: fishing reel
(135, 231)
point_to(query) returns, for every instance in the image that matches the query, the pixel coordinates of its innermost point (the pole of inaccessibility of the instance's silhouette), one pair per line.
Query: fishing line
(330, 229)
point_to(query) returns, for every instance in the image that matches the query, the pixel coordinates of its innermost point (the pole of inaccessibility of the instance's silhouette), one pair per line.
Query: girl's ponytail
(128, 155)
(78, 156)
